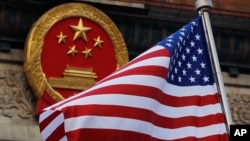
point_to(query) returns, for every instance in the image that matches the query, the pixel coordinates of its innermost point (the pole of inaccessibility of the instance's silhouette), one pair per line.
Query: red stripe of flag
(143, 114)
(118, 135)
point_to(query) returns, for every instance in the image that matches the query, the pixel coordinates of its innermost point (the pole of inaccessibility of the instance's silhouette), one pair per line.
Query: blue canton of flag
(190, 63)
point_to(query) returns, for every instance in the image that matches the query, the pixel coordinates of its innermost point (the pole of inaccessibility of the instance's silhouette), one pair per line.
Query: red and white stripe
(136, 103)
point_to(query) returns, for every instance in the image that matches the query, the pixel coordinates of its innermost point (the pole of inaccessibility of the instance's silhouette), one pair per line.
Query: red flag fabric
(168, 93)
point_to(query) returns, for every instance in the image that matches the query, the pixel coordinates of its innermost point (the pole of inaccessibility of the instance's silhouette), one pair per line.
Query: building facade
(142, 24)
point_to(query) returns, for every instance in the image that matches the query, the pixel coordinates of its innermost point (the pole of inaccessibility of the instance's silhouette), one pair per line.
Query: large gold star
(98, 42)
(72, 50)
(87, 52)
(80, 31)
(61, 38)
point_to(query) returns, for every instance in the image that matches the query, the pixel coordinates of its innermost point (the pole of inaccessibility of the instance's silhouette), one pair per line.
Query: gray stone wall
(17, 102)
(17, 120)
(238, 91)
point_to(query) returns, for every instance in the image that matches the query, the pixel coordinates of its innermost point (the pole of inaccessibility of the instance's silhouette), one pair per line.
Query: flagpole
(204, 6)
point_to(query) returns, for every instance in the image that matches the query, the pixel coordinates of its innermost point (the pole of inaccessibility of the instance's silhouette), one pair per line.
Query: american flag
(168, 93)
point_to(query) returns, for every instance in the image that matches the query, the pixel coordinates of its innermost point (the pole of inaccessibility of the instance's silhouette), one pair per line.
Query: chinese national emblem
(69, 49)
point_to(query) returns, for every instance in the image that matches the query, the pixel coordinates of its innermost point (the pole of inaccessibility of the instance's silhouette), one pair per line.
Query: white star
(181, 38)
(170, 40)
(203, 65)
(176, 70)
(189, 65)
(206, 79)
(183, 29)
(194, 58)
(175, 51)
(180, 48)
(184, 42)
(187, 50)
(183, 57)
(172, 77)
(182, 33)
(197, 36)
(192, 79)
(179, 63)
(198, 72)
(173, 60)
(179, 79)
(200, 51)
(192, 43)
(177, 54)
(169, 45)
(184, 72)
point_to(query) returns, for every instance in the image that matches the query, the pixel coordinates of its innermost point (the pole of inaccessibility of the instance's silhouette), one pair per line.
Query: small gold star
(72, 50)
(98, 42)
(87, 52)
(61, 38)
(80, 31)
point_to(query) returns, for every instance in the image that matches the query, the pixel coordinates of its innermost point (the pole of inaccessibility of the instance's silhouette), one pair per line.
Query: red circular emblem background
(54, 57)
(67, 42)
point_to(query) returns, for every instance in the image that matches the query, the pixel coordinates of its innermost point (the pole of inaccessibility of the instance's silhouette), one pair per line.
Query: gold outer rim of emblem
(35, 41)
